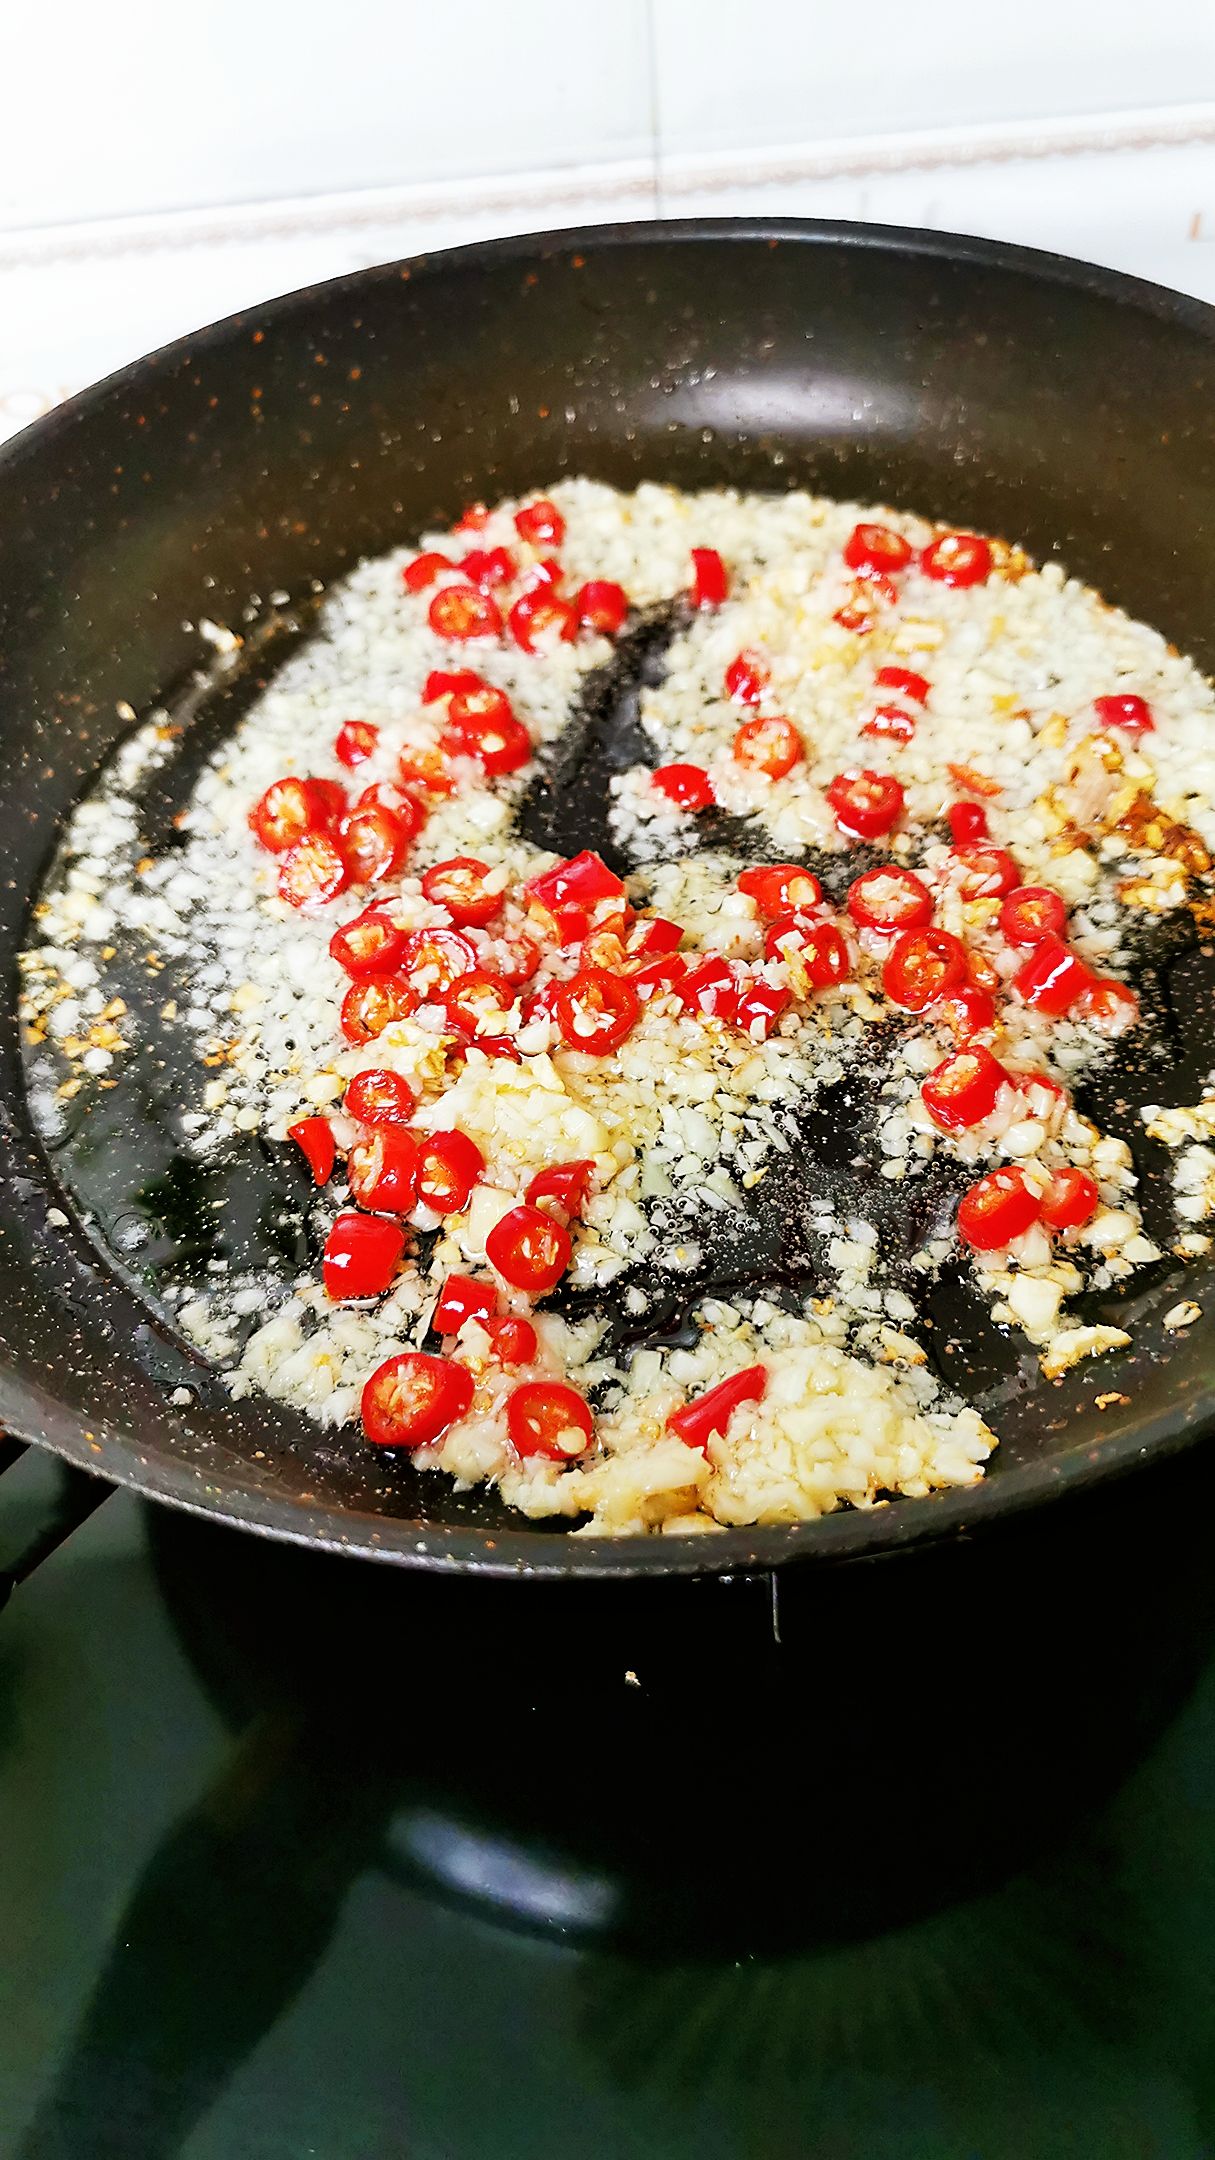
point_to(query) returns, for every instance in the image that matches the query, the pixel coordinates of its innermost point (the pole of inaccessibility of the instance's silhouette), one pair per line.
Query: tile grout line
(656, 150)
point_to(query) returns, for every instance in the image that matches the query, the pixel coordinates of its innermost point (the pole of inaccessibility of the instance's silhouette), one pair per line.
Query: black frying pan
(1064, 406)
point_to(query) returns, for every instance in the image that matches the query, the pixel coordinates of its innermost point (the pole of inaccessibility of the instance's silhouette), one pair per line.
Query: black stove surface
(303, 1857)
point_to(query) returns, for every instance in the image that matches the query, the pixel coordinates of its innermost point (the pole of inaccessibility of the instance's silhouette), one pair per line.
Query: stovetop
(305, 1857)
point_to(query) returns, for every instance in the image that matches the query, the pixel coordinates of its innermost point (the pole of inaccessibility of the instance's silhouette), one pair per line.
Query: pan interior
(947, 415)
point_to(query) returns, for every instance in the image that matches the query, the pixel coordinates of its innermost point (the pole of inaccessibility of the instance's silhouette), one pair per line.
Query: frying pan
(1065, 406)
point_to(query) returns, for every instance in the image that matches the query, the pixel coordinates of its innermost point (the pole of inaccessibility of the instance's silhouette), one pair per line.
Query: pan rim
(850, 1534)
(536, 1552)
(1042, 264)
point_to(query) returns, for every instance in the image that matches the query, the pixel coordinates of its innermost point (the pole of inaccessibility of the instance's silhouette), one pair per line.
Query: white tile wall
(143, 105)
(137, 106)
(813, 71)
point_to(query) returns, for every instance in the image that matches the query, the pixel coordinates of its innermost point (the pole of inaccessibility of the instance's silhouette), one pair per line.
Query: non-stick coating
(1064, 406)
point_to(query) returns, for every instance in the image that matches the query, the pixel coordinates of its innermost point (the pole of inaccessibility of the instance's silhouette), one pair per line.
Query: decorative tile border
(938, 148)
(644, 188)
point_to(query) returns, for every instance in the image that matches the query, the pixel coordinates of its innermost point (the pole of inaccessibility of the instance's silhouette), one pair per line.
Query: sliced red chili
(461, 1299)
(426, 765)
(580, 882)
(966, 1012)
(314, 1138)
(865, 804)
(1072, 1199)
(361, 1256)
(603, 946)
(501, 745)
(444, 682)
(540, 523)
(778, 887)
(707, 1416)
(570, 925)
(449, 1166)
(355, 742)
(411, 1400)
(369, 1007)
(687, 786)
(957, 558)
(747, 677)
(313, 872)
(595, 1011)
(331, 801)
(488, 567)
(891, 723)
(962, 1090)
(287, 811)
(1125, 710)
(859, 612)
(602, 606)
(382, 1170)
(710, 579)
(378, 1097)
(1110, 1006)
(459, 885)
(1053, 977)
(999, 1208)
(905, 682)
(409, 813)
(564, 1186)
(539, 1005)
(816, 950)
(710, 990)
(769, 745)
(823, 955)
(651, 935)
(543, 1417)
(476, 999)
(460, 611)
(990, 873)
(890, 899)
(759, 1007)
(473, 708)
(1032, 912)
(511, 1341)
(517, 958)
(434, 959)
(924, 965)
(473, 518)
(876, 551)
(370, 945)
(967, 823)
(541, 617)
(972, 782)
(492, 1046)
(424, 569)
(660, 974)
(373, 843)
(529, 1250)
